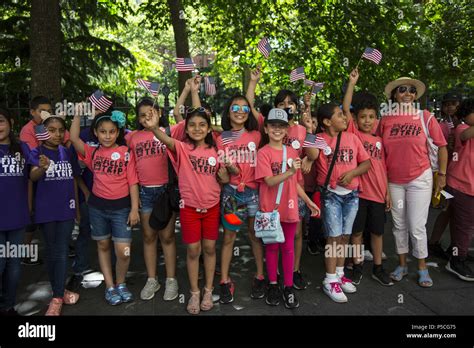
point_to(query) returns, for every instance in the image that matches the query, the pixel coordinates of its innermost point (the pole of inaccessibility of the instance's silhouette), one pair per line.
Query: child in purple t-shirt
(54, 168)
(14, 185)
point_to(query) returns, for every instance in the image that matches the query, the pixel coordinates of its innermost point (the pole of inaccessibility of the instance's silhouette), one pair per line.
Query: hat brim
(278, 121)
(420, 86)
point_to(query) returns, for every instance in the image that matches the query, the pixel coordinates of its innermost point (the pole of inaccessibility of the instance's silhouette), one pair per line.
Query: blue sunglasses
(237, 108)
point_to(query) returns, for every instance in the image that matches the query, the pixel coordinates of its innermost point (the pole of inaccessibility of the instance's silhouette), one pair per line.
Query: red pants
(196, 226)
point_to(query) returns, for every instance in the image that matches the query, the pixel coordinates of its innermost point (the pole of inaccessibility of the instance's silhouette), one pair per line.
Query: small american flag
(228, 137)
(210, 85)
(100, 101)
(152, 87)
(41, 132)
(317, 87)
(308, 82)
(297, 74)
(264, 47)
(184, 64)
(315, 142)
(372, 54)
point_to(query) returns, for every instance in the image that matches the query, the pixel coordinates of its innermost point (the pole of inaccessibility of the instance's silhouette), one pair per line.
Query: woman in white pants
(409, 170)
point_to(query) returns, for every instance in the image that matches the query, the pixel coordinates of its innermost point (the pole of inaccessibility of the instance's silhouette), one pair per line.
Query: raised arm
(195, 85)
(178, 110)
(254, 78)
(346, 104)
(151, 122)
(75, 130)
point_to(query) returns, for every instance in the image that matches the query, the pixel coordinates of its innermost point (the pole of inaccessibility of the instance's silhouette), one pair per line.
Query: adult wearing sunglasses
(409, 171)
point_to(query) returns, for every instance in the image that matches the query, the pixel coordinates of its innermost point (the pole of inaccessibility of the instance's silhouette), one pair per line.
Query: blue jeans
(339, 213)
(148, 197)
(56, 237)
(10, 268)
(81, 261)
(107, 223)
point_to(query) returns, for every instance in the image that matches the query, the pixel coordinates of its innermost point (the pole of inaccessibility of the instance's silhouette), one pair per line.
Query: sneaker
(313, 248)
(435, 250)
(171, 289)
(70, 297)
(55, 306)
(75, 283)
(258, 288)
(356, 274)
(368, 256)
(148, 291)
(346, 285)
(459, 267)
(381, 276)
(112, 296)
(334, 291)
(273, 296)
(298, 282)
(124, 293)
(226, 292)
(29, 262)
(289, 298)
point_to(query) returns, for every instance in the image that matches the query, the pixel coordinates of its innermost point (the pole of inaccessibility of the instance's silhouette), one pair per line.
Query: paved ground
(449, 296)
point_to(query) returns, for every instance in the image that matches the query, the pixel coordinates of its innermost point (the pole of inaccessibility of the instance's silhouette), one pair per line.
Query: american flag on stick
(41, 132)
(317, 86)
(184, 64)
(228, 137)
(372, 54)
(210, 85)
(100, 101)
(152, 87)
(314, 141)
(264, 47)
(297, 74)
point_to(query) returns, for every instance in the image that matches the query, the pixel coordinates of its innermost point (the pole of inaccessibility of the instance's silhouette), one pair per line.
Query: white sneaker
(368, 255)
(171, 289)
(347, 285)
(334, 291)
(148, 291)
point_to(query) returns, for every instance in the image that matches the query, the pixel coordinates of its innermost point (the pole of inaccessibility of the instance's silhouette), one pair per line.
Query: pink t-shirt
(150, 157)
(28, 135)
(461, 172)
(351, 153)
(295, 138)
(113, 168)
(405, 144)
(197, 174)
(241, 147)
(373, 184)
(178, 131)
(269, 163)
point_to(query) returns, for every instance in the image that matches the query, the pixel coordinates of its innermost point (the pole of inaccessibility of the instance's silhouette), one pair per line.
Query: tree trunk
(45, 49)
(180, 37)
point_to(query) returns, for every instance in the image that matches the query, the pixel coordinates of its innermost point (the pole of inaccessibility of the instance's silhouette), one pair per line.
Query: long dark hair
(281, 96)
(99, 119)
(209, 140)
(251, 123)
(14, 143)
(325, 111)
(146, 101)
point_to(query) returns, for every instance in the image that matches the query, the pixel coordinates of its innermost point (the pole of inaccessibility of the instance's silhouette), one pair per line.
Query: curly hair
(466, 108)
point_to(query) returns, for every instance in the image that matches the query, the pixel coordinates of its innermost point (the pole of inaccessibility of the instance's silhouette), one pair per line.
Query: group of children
(109, 180)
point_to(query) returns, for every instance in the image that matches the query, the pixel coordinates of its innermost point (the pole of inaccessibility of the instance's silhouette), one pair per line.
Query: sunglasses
(403, 89)
(200, 110)
(237, 108)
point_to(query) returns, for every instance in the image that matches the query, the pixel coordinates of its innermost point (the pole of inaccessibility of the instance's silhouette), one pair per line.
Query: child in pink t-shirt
(374, 197)
(113, 202)
(269, 173)
(237, 147)
(197, 168)
(460, 182)
(339, 197)
(152, 168)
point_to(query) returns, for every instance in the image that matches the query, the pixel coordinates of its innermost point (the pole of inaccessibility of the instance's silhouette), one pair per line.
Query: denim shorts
(339, 212)
(148, 197)
(107, 223)
(243, 204)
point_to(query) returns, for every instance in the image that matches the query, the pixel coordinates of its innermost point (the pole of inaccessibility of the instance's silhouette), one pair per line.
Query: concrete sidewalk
(448, 296)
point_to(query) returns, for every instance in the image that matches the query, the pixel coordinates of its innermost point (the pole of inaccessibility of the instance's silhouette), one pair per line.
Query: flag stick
(357, 66)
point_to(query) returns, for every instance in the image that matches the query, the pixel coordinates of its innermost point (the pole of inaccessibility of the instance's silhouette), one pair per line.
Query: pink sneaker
(55, 306)
(70, 297)
(346, 285)
(334, 291)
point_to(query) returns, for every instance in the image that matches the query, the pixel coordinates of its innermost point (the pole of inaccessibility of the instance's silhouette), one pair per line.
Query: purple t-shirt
(13, 188)
(55, 199)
